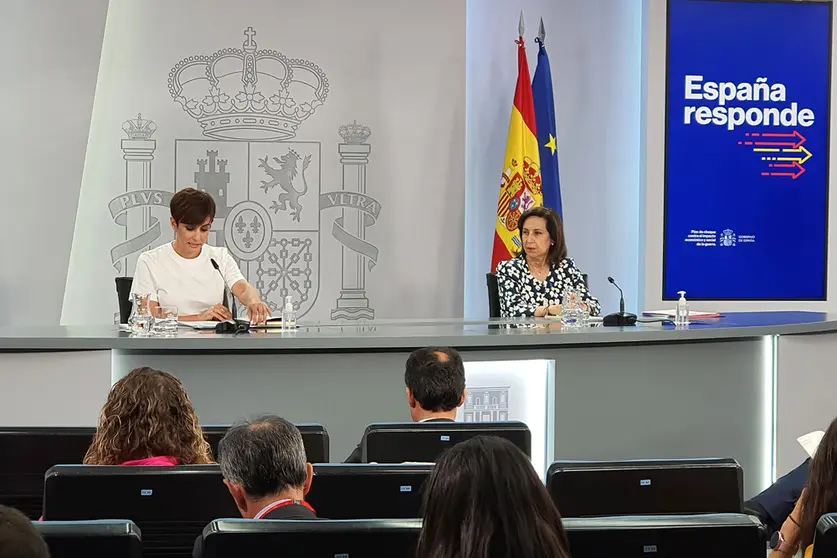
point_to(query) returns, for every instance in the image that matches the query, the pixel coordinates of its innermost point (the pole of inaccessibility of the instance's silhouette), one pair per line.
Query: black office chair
(666, 536)
(423, 442)
(646, 487)
(494, 294)
(314, 438)
(91, 539)
(825, 537)
(171, 505)
(123, 294)
(232, 538)
(31, 452)
(368, 491)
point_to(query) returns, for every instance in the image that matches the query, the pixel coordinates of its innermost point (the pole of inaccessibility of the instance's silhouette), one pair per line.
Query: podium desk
(596, 393)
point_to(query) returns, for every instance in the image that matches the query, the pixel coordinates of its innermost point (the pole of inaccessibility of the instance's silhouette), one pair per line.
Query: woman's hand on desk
(258, 312)
(216, 313)
(554, 310)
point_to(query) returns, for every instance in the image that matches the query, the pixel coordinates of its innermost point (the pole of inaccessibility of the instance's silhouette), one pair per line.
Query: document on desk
(198, 325)
(810, 441)
(692, 314)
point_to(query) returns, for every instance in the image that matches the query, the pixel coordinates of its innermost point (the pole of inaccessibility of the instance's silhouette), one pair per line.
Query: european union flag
(545, 123)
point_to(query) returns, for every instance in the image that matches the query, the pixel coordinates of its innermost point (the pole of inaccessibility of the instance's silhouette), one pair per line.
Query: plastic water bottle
(288, 314)
(681, 313)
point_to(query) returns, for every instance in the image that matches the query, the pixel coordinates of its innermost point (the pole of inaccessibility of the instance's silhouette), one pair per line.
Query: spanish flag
(521, 186)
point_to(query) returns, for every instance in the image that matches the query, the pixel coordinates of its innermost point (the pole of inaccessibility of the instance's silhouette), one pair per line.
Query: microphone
(621, 295)
(228, 326)
(621, 318)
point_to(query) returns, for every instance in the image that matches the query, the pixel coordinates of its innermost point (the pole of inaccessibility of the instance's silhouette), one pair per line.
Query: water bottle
(681, 313)
(288, 314)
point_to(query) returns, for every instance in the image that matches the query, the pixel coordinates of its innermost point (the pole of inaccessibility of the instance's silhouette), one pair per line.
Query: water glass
(140, 320)
(165, 321)
(571, 310)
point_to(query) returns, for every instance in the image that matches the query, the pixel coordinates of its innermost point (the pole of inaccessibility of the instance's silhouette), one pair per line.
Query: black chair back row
(633, 537)
(626, 537)
(36, 449)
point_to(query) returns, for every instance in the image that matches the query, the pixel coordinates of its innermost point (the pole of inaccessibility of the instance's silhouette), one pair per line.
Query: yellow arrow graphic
(800, 160)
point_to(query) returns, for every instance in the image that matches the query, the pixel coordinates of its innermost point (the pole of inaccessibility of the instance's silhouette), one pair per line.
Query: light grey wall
(49, 51)
(594, 51)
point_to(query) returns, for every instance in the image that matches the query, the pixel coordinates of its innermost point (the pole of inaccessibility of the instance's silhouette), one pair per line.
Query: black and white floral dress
(521, 293)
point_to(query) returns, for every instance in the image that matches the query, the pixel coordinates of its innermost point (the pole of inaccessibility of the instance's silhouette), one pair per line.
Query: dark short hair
(192, 207)
(18, 537)
(484, 499)
(436, 378)
(265, 456)
(555, 228)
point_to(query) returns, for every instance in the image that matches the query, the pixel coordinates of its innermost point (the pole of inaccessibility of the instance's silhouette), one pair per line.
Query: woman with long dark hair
(484, 500)
(818, 499)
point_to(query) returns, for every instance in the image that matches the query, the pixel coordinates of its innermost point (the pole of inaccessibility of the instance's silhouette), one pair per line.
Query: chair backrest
(30, 453)
(171, 505)
(314, 437)
(123, 294)
(493, 295)
(368, 491)
(399, 442)
(339, 539)
(674, 536)
(584, 278)
(646, 487)
(825, 537)
(91, 539)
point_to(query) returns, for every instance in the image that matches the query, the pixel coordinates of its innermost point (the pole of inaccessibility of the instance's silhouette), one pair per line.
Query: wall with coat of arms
(330, 135)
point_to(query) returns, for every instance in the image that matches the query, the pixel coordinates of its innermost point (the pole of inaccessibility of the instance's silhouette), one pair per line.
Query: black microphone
(228, 326)
(621, 295)
(621, 318)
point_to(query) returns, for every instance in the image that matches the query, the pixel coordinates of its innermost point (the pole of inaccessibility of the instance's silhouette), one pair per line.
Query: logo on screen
(728, 238)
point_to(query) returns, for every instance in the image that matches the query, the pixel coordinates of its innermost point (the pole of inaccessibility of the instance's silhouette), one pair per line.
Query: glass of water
(140, 320)
(571, 308)
(165, 321)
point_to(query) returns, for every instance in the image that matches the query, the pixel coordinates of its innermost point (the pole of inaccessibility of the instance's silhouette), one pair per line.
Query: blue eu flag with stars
(545, 122)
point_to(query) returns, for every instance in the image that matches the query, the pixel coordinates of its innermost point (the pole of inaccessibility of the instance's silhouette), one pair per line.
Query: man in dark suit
(264, 467)
(776, 502)
(435, 380)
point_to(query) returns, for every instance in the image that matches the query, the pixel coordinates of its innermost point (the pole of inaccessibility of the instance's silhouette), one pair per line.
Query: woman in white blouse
(181, 273)
(533, 283)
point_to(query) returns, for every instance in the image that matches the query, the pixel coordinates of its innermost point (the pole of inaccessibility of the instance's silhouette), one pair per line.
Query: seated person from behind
(484, 500)
(181, 274)
(533, 283)
(264, 467)
(148, 419)
(435, 380)
(18, 537)
(818, 498)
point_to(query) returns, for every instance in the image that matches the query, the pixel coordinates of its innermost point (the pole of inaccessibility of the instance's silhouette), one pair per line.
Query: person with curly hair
(148, 419)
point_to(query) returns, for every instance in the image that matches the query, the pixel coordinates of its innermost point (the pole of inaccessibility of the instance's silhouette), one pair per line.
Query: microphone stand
(621, 318)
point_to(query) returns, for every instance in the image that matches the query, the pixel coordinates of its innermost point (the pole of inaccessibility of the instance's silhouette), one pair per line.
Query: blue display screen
(747, 138)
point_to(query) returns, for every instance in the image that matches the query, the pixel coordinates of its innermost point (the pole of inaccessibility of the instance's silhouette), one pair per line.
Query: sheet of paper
(692, 314)
(198, 325)
(810, 441)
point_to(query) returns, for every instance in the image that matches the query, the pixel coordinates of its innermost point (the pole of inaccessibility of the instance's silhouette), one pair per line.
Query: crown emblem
(139, 129)
(355, 133)
(248, 94)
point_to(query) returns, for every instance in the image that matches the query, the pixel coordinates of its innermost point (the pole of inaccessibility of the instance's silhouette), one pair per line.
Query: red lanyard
(282, 503)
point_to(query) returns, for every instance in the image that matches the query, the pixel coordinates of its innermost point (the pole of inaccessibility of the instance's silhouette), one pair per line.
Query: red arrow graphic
(798, 140)
(800, 170)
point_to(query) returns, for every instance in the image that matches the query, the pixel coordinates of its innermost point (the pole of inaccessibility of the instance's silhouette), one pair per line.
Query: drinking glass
(165, 321)
(571, 308)
(140, 320)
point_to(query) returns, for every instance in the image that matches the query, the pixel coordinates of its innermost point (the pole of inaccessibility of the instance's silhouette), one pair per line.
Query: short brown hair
(555, 228)
(148, 414)
(192, 207)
